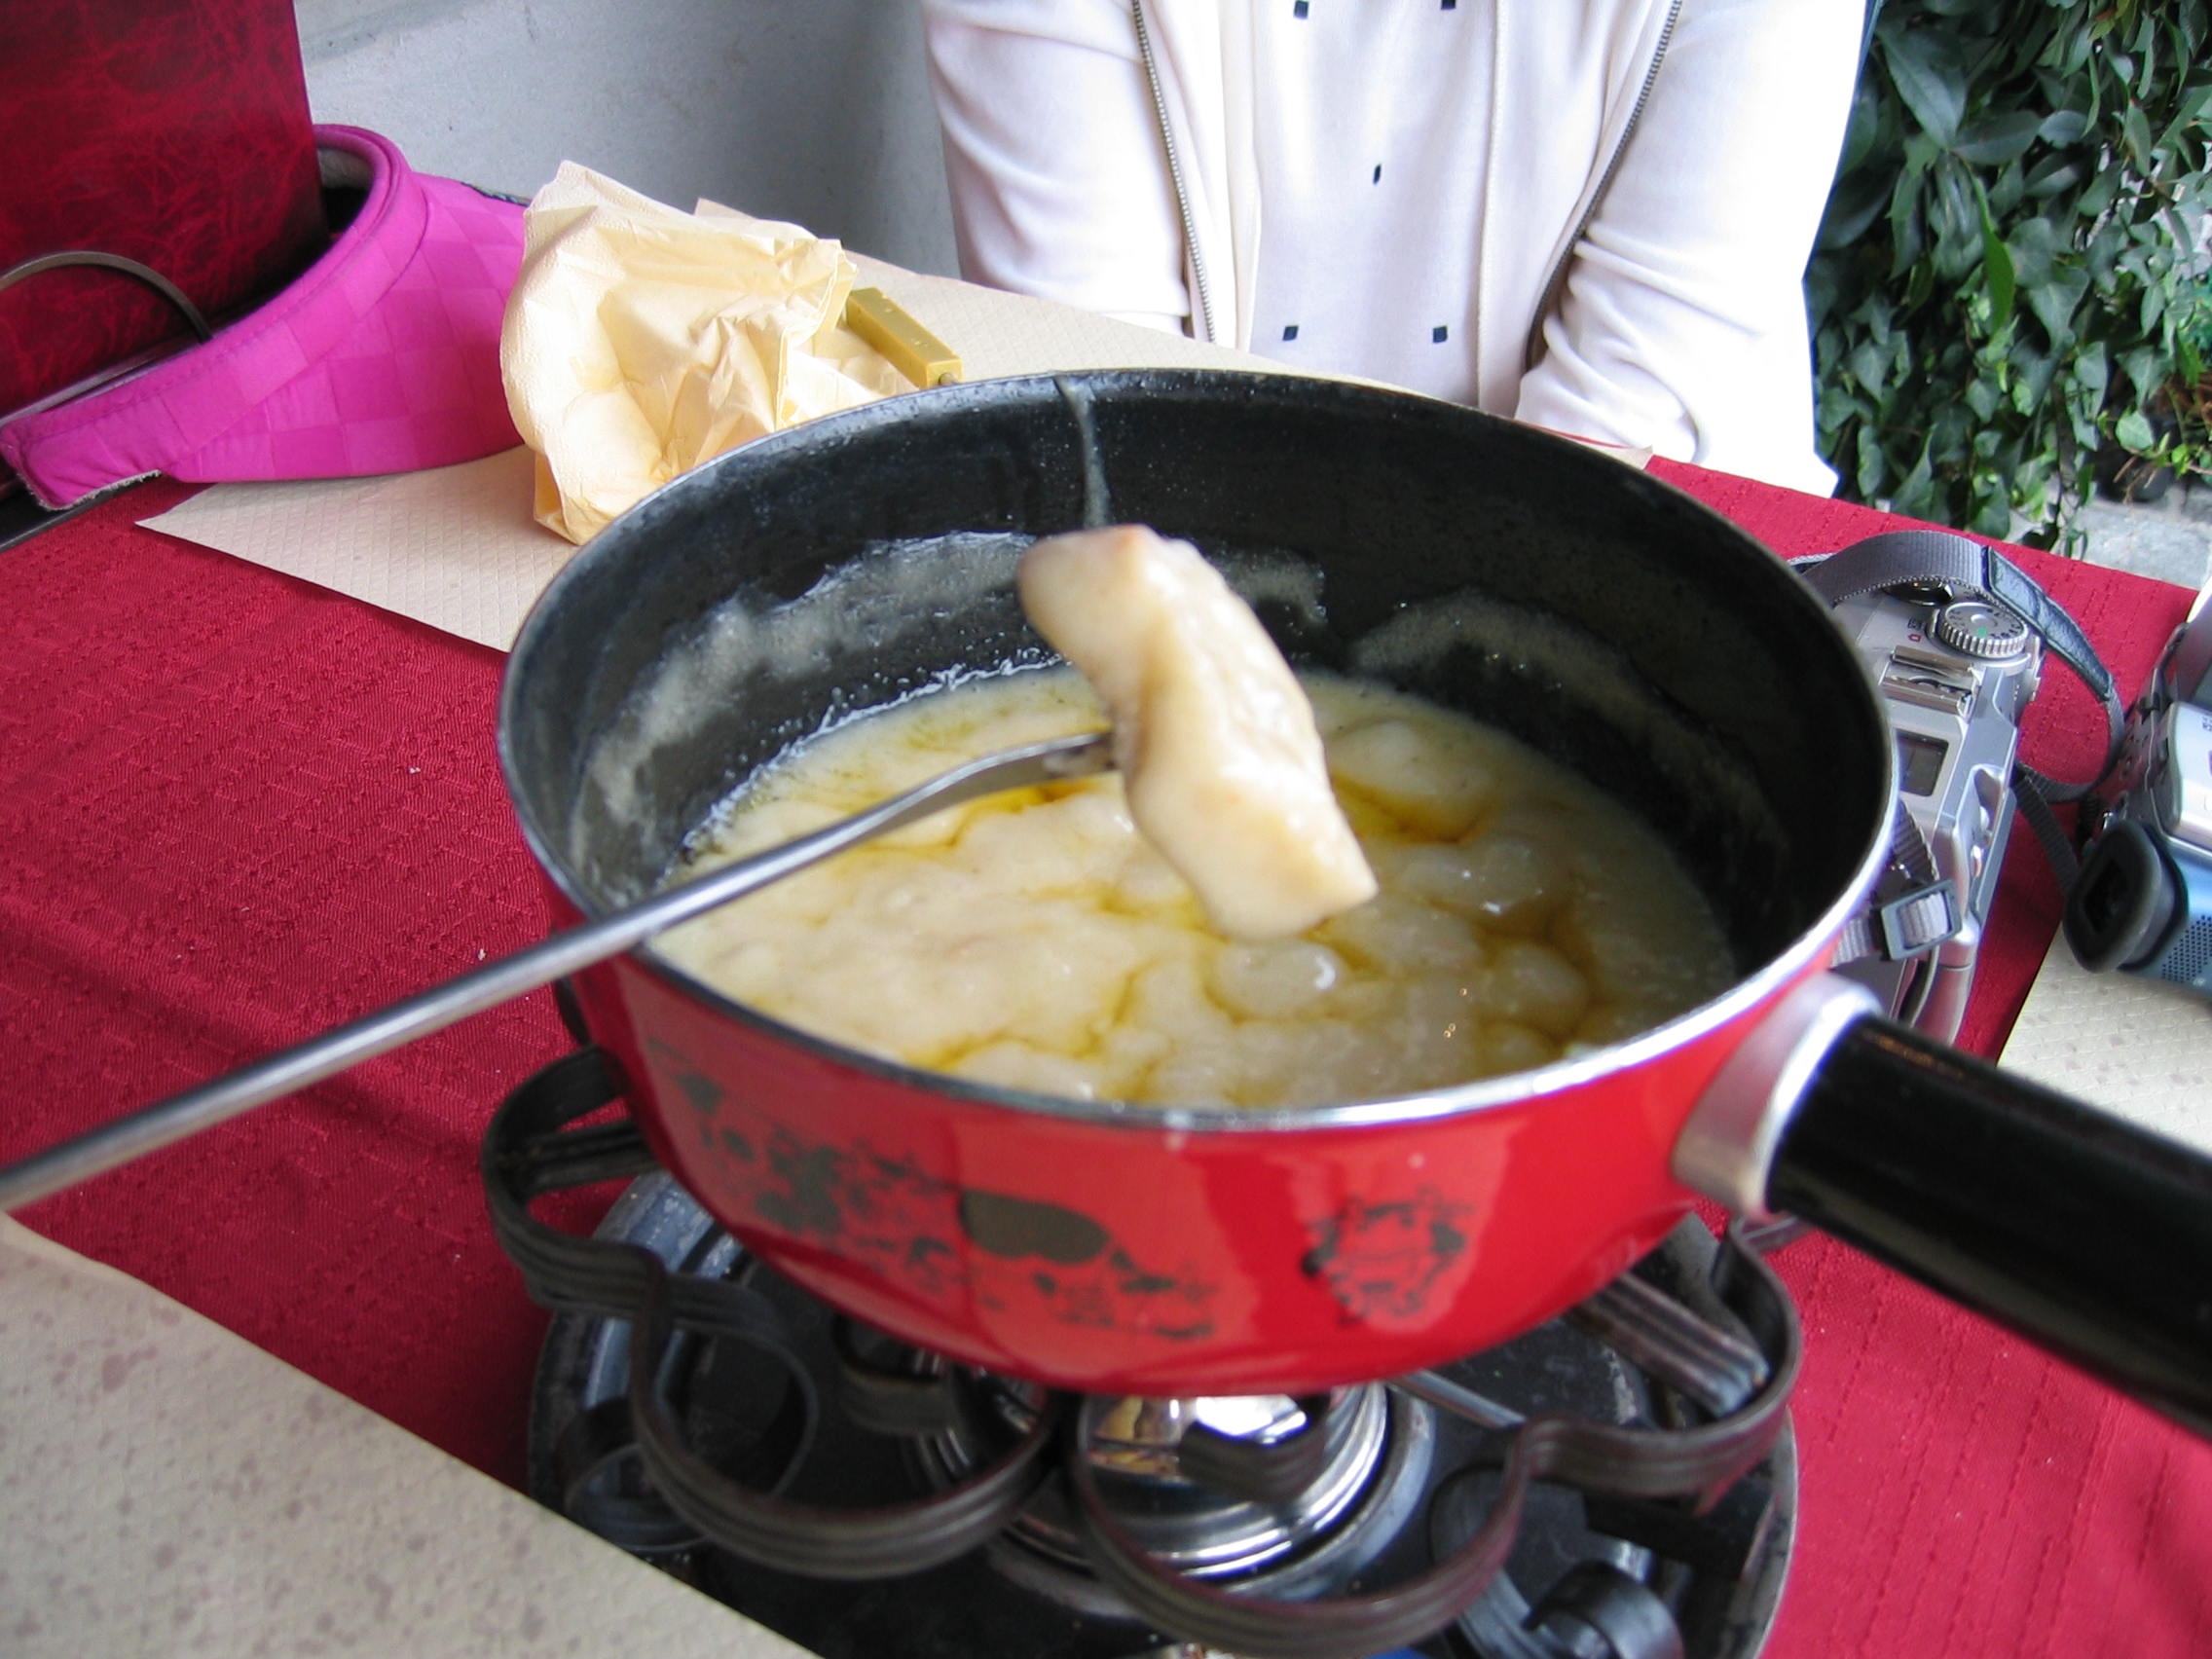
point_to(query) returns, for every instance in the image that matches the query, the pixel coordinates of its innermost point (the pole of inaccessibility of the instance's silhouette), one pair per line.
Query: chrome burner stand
(1616, 1484)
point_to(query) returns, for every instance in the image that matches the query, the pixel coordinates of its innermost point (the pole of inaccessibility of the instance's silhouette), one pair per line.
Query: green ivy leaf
(2145, 368)
(2064, 126)
(2154, 307)
(2092, 371)
(1914, 491)
(1856, 203)
(2103, 192)
(1999, 139)
(1993, 512)
(1869, 367)
(2188, 120)
(2034, 244)
(1955, 217)
(1873, 466)
(1925, 69)
(2055, 301)
(2073, 52)
(1863, 136)
(2133, 432)
(2135, 135)
(1996, 270)
(2103, 261)
(2055, 173)
(1907, 235)
(1837, 407)
(1919, 286)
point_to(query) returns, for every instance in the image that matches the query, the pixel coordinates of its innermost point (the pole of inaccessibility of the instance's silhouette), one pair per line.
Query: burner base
(1008, 1597)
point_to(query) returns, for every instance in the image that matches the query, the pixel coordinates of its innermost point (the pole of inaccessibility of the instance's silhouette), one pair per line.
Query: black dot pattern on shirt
(1441, 332)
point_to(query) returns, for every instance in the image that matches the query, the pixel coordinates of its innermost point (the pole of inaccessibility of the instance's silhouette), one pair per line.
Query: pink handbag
(381, 356)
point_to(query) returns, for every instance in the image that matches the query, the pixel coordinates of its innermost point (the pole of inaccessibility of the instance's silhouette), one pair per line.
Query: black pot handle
(2090, 1236)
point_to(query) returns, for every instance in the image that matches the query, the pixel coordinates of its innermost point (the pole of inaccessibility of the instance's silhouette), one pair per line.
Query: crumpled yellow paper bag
(640, 340)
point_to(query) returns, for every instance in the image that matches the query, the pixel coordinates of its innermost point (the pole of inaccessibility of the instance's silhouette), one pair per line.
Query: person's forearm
(1687, 291)
(1053, 157)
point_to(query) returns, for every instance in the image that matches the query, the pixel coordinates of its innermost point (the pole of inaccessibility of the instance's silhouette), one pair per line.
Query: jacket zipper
(1198, 264)
(1557, 280)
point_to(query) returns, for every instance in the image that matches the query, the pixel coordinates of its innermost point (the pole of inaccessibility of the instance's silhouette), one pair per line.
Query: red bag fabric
(173, 133)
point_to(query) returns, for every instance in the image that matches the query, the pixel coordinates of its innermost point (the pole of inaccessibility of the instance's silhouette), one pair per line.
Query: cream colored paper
(170, 1490)
(640, 340)
(2137, 1048)
(455, 548)
(999, 334)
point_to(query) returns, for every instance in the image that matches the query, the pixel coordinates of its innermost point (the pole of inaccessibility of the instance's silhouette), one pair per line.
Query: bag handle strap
(145, 274)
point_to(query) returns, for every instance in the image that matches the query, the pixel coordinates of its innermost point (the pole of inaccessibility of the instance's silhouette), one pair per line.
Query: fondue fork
(167, 1121)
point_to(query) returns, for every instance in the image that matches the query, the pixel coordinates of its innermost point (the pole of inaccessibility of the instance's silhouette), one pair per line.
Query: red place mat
(237, 809)
(2129, 618)
(1963, 1494)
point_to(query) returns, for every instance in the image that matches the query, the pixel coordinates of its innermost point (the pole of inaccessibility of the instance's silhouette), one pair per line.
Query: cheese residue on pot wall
(1035, 940)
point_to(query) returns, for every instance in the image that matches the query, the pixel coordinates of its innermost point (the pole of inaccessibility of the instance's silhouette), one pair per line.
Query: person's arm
(1683, 326)
(1053, 152)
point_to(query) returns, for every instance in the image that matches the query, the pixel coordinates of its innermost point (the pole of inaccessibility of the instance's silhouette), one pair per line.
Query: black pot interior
(1599, 615)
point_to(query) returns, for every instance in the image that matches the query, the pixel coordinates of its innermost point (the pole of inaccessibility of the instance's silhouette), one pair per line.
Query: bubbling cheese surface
(1213, 736)
(1034, 940)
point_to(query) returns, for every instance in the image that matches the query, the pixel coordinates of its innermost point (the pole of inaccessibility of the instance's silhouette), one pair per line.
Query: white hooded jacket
(1654, 175)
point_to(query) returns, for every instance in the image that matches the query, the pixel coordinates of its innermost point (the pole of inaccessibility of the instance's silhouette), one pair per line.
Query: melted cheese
(1035, 940)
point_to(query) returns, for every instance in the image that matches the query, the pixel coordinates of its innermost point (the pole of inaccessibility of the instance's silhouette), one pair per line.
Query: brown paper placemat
(456, 548)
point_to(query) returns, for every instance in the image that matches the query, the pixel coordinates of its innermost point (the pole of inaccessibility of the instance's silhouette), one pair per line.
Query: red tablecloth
(235, 809)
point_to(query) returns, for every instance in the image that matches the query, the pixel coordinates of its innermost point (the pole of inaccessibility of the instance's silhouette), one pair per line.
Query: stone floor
(2170, 538)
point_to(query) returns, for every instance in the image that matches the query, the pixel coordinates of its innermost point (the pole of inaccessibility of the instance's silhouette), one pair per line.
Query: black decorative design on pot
(1381, 1260)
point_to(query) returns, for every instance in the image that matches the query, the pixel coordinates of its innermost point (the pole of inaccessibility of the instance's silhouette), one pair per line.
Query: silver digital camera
(2143, 902)
(1955, 669)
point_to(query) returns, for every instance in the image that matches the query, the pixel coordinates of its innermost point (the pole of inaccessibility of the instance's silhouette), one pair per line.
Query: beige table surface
(171, 1490)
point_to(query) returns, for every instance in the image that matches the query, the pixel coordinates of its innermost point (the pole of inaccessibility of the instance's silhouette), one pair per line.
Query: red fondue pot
(1611, 621)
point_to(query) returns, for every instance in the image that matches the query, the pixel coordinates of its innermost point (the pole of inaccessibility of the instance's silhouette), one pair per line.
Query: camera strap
(1958, 562)
(1922, 915)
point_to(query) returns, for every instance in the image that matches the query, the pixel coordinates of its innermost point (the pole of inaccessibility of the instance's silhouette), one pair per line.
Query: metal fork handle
(167, 1121)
